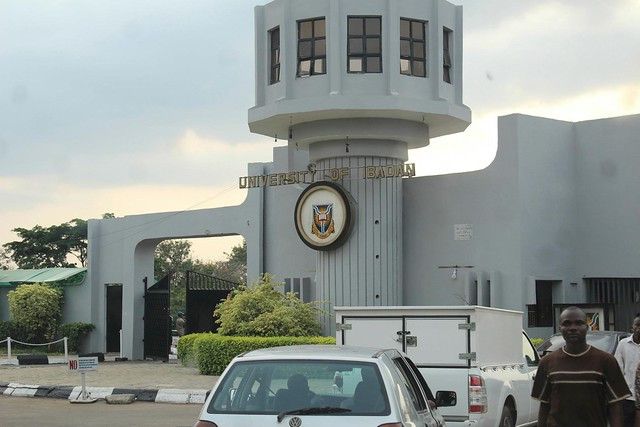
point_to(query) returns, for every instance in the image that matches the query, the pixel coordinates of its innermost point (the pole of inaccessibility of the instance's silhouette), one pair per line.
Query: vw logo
(295, 422)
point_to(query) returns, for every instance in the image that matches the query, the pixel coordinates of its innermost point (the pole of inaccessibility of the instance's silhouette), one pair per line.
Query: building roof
(64, 276)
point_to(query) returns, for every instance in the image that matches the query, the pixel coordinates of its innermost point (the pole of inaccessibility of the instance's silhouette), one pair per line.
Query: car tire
(506, 420)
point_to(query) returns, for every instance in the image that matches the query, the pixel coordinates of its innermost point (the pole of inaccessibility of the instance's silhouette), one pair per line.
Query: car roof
(315, 351)
(599, 333)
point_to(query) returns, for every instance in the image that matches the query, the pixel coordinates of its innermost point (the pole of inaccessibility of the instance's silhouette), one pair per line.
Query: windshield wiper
(312, 411)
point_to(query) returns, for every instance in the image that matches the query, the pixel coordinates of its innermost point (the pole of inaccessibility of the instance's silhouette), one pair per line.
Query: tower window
(274, 58)
(312, 47)
(413, 47)
(364, 46)
(446, 56)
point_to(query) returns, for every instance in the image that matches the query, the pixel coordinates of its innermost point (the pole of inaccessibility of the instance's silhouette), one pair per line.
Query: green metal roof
(63, 276)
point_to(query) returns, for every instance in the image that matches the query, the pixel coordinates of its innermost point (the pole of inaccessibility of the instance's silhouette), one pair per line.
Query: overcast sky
(141, 106)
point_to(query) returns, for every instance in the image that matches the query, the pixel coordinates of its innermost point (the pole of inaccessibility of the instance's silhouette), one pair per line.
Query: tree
(36, 309)
(54, 246)
(262, 310)
(5, 260)
(174, 257)
(43, 247)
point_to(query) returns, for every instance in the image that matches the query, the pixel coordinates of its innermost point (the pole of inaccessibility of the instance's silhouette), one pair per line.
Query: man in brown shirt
(578, 384)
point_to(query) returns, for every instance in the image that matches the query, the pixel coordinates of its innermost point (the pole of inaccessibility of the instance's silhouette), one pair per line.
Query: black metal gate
(157, 323)
(623, 293)
(204, 292)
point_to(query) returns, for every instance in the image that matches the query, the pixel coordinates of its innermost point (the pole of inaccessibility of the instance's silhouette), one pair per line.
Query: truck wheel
(507, 418)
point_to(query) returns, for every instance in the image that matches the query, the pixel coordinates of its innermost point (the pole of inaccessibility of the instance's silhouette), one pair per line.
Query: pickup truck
(481, 353)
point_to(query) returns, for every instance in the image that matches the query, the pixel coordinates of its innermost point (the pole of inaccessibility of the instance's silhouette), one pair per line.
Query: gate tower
(357, 84)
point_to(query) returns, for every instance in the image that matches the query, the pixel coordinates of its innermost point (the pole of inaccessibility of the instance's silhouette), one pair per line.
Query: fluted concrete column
(367, 269)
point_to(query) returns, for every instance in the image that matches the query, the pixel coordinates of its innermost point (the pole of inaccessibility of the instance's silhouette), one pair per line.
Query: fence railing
(9, 340)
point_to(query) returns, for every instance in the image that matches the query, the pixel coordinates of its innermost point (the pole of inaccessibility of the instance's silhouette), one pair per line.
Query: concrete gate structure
(553, 220)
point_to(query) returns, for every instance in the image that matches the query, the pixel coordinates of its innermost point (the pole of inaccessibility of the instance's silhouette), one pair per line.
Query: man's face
(635, 329)
(573, 326)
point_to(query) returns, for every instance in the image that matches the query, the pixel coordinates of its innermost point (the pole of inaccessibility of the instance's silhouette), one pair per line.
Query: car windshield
(605, 342)
(316, 387)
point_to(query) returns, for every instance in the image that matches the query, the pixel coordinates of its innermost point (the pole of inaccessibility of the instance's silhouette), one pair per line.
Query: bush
(8, 328)
(214, 352)
(36, 310)
(185, 350)
(75, 332)
(263, 311)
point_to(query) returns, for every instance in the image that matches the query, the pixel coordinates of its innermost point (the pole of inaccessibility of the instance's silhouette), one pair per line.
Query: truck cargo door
(440, 347)
(425, 335)
(372, 332)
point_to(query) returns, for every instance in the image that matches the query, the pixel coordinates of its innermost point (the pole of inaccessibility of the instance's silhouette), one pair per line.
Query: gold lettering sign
(405, 170)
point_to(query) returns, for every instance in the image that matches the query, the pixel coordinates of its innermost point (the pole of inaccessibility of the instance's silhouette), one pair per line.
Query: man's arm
(543, 413)
(615, 414)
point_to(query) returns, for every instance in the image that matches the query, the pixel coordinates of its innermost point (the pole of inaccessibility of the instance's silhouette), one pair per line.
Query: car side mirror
(446, 398)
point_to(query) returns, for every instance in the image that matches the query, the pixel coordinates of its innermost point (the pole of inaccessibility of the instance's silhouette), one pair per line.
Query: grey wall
(608, 197)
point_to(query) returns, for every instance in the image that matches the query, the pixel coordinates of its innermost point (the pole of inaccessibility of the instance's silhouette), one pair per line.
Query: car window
(529, 352)
(411, 384)
(272, 387)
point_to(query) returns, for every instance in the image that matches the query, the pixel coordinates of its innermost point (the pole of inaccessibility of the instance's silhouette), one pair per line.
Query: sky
(138, 106)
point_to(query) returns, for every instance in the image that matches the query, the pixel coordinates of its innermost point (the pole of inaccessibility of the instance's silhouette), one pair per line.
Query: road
(30, 411)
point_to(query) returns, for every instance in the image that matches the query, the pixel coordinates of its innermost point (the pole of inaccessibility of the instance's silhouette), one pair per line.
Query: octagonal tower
(357, 84)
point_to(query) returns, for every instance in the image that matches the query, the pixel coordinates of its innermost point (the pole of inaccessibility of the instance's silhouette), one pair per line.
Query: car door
(530, 367)
(418, 396)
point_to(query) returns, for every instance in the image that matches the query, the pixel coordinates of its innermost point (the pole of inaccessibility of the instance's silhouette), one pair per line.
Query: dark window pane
(355, 46)
(355, 27)
(305, 29)
(318, 66)
(418, 50)
(320, 47)
(355, 65)
(405, 48)
(318, 30)
(304, 49)
(373, 46)
(417, 30)
(373, 26)
(374, 65)
(405, 29)
(418, 69)
(405, 66)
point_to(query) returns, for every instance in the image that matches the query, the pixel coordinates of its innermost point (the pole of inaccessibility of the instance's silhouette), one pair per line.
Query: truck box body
(454, 346)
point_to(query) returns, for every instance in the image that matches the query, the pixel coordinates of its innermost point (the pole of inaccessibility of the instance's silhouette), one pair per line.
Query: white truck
(481, 353)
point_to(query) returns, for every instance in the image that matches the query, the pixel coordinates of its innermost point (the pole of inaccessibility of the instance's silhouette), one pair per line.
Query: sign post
(82, 365)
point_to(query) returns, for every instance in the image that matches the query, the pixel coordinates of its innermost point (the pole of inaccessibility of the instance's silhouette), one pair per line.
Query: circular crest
(324, 216)
(295, 422)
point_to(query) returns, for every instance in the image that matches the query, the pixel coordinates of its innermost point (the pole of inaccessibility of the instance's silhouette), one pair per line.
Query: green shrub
(8, 328)
(213, 352)
(261, 310)
(36, 310)
(75, 333)
(185, 350)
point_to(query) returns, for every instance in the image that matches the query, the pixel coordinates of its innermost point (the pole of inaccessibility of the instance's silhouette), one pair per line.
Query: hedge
(75, 333)
(212, 352)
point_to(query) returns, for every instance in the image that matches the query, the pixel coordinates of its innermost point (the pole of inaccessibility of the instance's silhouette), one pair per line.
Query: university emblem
(324, 216)
(323, 225)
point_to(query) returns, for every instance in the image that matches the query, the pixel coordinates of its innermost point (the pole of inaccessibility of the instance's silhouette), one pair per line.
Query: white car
(314, 386)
